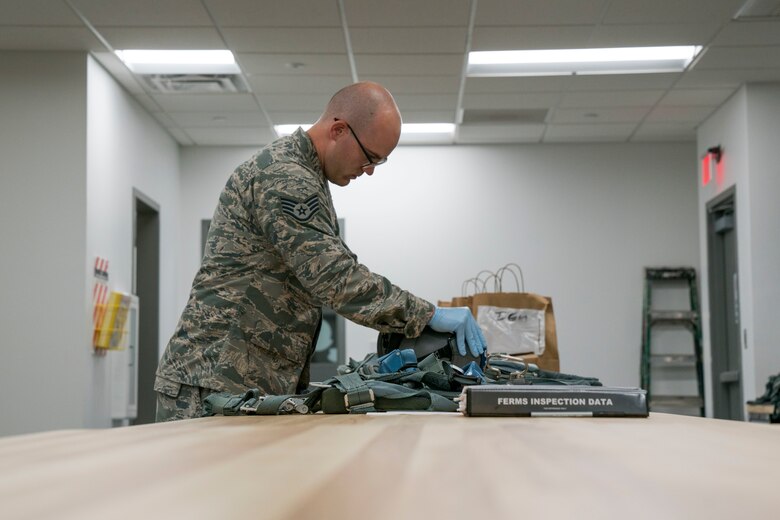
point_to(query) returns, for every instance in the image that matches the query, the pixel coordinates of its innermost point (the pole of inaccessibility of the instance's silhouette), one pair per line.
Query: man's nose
(369, 170)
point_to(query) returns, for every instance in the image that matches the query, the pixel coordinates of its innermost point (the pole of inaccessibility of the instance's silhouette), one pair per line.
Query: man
(274, 257)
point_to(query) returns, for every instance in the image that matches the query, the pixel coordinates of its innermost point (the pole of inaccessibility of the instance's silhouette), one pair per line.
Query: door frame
(718, 311)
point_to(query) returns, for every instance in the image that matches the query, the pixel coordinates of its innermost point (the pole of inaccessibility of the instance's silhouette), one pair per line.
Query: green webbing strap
(358, 396)
(252, 403)
(269, 405)
(224, 403)
(389, 397)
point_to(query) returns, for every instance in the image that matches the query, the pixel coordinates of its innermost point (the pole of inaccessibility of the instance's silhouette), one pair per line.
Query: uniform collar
(308, 152)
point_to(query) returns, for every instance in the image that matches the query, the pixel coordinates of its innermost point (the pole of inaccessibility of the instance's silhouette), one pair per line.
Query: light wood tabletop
(397, 466)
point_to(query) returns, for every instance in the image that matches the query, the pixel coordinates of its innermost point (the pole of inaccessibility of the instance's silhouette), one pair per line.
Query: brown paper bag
(519, 321)
(462, 301)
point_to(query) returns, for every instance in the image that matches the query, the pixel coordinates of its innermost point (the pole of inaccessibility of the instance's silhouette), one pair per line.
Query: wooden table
(393, 466)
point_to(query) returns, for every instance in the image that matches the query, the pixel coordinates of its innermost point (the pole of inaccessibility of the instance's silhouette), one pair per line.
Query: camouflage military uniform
(273, 258)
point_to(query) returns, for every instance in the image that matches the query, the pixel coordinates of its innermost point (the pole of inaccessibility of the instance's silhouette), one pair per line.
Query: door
(724, 308)
(146, 285)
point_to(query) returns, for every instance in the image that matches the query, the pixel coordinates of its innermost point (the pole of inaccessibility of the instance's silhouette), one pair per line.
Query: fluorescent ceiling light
(288, 129)
(427, 128)
(143, 61)
(561, 62)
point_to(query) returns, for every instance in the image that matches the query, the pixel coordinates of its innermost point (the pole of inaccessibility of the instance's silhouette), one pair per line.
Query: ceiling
(294, 54)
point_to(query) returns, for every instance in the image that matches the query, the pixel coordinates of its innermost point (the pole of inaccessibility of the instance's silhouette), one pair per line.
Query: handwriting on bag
(511, 330)
(510, 316)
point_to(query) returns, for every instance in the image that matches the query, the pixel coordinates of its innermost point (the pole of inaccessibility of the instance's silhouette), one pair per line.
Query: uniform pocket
(271, 370)
(167, 387)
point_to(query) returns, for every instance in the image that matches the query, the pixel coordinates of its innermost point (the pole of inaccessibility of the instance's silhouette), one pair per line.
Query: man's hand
(460, 321)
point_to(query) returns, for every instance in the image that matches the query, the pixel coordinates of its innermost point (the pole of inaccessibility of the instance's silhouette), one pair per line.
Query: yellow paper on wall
(112, 329)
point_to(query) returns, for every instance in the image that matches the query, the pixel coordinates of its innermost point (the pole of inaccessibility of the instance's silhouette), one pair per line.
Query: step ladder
(654, 359)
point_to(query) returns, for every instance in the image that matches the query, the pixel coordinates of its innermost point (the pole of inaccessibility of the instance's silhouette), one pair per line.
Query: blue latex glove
(460, 321)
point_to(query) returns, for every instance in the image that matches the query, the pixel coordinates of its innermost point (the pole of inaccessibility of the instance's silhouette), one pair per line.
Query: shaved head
(359, 128)
(361, 104)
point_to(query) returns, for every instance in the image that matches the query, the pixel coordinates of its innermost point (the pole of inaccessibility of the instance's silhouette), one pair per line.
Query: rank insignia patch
(301, 211)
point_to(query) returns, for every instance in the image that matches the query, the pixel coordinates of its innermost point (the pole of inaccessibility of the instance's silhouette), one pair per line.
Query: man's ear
(336, 130)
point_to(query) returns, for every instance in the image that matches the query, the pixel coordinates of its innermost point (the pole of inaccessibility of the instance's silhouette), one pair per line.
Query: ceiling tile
(231, 136)
(38, 12)
(180, 136)
(164, 119)
(599, 115)
(294, 64)
(409, 64)
(519, 100)
(750, 33)
(160, 13)
(289, 13)
(162, 37)
(417, 84)
(428, 116)
(249, 118)
(665, 132)
(205, 102)
(539, 12)
(315, 102)
(587, 133)
(679, 114)
(293, 54)
(48, 38)
(636, 35)
(413, 40)
(426, 102)
(406, 13)
(262, 84)
(294, 117)
(147, 102)
(624, 81)
(285, 40)
(696, 97)
(748, 57)
(519, 38)
(661, 11)
(409, 116)
(517, 85)
(477, 134)
(617, 98)
(720, 78)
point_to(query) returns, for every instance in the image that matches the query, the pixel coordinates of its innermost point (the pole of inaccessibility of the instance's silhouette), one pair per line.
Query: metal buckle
(366, 404)
(513, 376)
(251, 406)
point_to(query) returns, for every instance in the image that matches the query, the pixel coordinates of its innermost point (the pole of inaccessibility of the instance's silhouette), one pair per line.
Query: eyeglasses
(371, 162)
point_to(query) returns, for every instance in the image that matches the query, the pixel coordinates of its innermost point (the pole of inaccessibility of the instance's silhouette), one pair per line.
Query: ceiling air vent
(196, 83)
(759, 9)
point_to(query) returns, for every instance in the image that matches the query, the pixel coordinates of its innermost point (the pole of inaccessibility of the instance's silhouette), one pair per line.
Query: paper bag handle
(508, 269)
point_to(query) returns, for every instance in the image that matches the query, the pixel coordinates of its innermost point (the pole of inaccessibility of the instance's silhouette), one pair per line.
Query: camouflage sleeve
(296, 218)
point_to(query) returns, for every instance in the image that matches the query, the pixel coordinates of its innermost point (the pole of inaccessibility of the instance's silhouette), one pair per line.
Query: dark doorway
(724, 307)
(146, 285)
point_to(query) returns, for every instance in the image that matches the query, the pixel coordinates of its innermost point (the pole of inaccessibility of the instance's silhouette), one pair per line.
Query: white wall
(764, 136)
(43, 327)
(582, 221)
(205, 170)
(126, 149)
(747, 127)
(73, 146)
